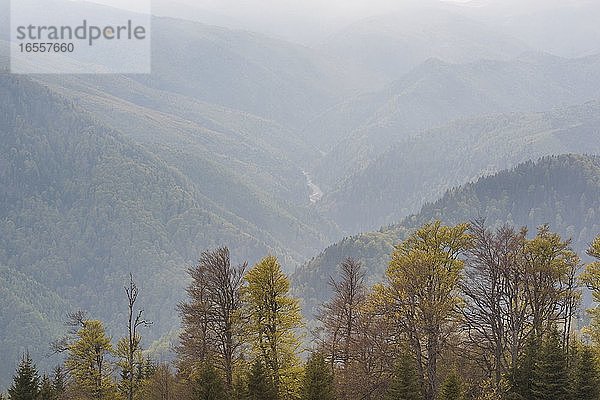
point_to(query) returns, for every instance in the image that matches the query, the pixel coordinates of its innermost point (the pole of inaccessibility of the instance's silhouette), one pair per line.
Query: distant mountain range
(393, 44)
(436, 93)
(419, 169)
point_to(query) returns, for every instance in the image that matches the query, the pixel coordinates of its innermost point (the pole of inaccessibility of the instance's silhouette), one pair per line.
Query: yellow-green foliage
(274, 320)
(88, 363)
(591, 278)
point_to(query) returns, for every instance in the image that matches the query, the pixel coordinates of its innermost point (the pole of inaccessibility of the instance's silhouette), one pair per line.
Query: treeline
(465, 312)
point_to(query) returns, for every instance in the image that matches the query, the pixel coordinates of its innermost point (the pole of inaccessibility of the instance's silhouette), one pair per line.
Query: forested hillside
(146, 171)
(250, 166)
(403, 338)
(81, 206)
(420, 169)
(32, 313)
(562, 191)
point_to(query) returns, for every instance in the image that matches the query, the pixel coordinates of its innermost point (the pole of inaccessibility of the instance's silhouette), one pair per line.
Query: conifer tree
(586, 376)
(25, 382)
(405, 382)
(46, 389)
(550, 374)
(451, 388)
(318, 379)
(520, 377)
(209, 385)
(260, 384)
(59, 382)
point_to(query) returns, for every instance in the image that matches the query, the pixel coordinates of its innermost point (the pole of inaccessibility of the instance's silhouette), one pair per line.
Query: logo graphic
(62, 36)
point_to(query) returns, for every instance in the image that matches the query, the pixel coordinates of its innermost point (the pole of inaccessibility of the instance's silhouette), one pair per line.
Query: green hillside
(32, 313)
(421, 169)
(81, 206)
(250, 166)
(563, 191)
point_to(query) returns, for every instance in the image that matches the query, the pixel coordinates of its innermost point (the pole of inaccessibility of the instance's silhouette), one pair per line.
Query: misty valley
(322, 200)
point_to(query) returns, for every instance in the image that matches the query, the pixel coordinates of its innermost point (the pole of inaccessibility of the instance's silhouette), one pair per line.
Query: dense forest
(470, 148)
(464, 312)
(81, 204)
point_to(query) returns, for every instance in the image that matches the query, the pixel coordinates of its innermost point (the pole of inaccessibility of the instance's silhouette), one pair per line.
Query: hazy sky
(348, 7)
(309, 21)
(319, 8)
(132, 5)
(297, 20)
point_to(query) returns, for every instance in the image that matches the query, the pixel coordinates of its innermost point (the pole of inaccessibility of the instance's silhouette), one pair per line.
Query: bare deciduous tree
(340, 315)
(132, 348)
(516, 289)
(211, 318)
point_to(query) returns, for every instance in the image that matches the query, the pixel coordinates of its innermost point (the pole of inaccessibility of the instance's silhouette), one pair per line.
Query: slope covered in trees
(563, 191)
(209, 150)
(399, 181)
(32, 313)
(81, 206)
(147, 169)
(250, 166)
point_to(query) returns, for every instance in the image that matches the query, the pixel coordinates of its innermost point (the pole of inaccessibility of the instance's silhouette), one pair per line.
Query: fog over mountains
(399, 112)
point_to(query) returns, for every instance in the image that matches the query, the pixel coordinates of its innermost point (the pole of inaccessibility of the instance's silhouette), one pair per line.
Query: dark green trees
(209, 385)
(25, 382)
(543, 372)
(46, 389)
(521, 376)
(260, 384)
(586, 380)
(318, 379)
(59, 382)
(551, 373)
(405, 383)
(451, 388)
